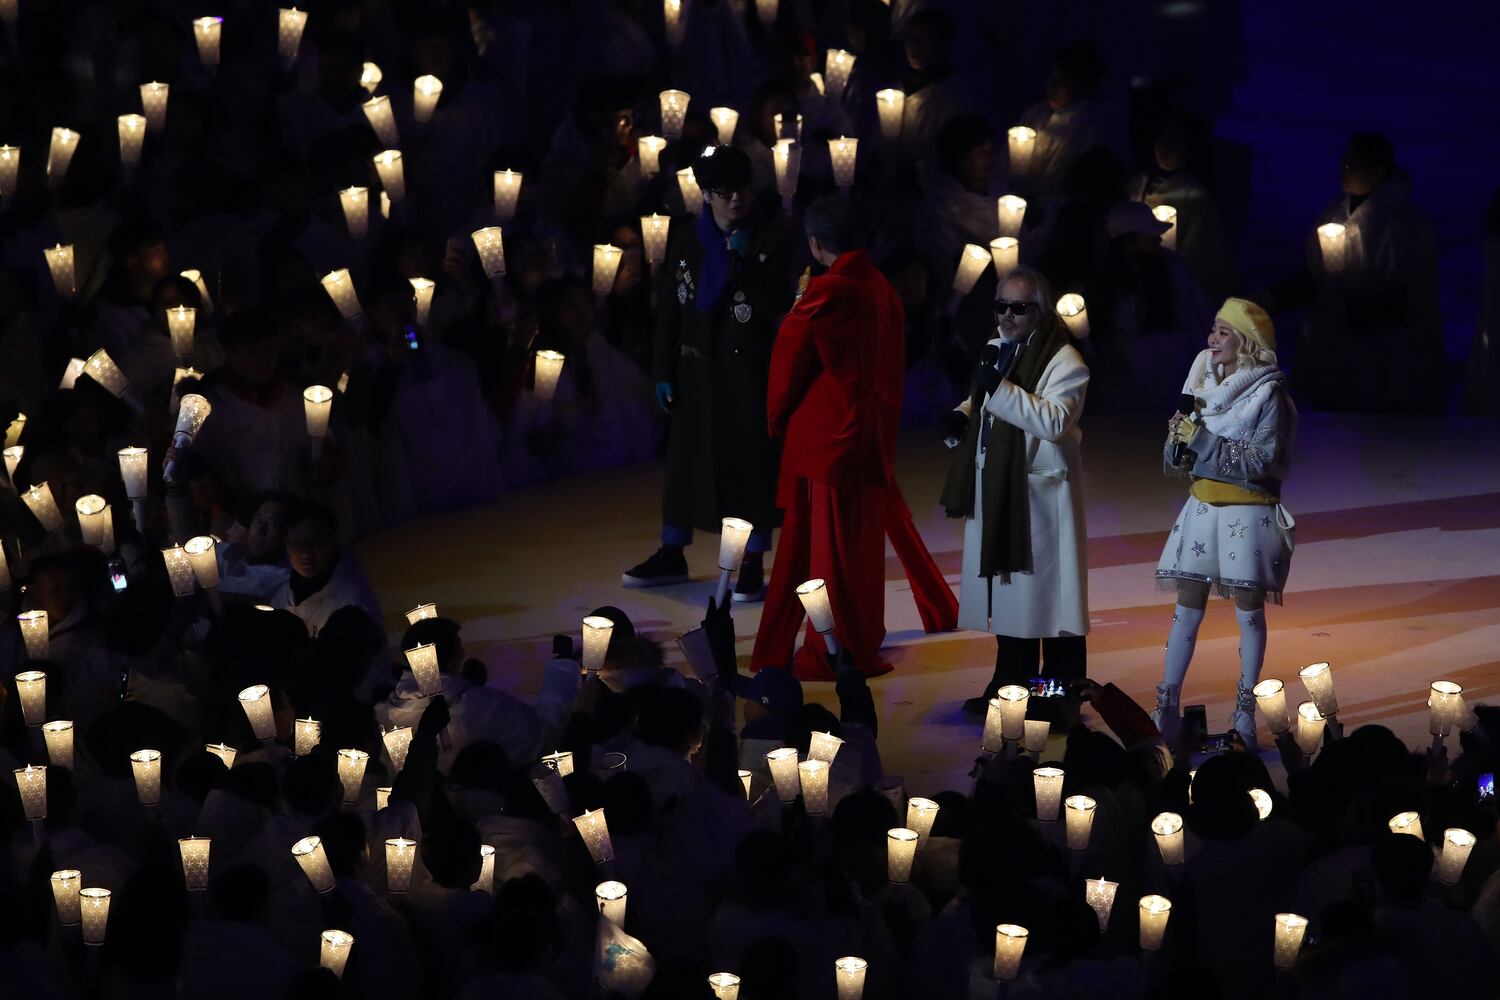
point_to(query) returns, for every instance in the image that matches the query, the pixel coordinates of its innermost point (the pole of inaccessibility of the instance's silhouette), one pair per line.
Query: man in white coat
(1017, 480)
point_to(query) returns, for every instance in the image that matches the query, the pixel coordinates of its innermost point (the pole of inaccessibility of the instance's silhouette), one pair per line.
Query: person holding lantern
(725, 286)
(1232, 535)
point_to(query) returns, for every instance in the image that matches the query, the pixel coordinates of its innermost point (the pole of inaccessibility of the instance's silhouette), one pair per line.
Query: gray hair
(1041, 293)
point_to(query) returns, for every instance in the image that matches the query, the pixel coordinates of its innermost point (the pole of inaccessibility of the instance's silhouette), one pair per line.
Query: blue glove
(664, 396)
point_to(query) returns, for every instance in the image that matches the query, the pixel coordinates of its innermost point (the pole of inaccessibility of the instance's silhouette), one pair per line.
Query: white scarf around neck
(1231, 406)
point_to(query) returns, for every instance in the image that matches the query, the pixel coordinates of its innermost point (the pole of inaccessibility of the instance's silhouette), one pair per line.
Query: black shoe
(667, 565)
(978, 707)
(750, 587)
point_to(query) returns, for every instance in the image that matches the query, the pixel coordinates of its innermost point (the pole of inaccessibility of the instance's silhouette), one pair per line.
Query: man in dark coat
(725, 286)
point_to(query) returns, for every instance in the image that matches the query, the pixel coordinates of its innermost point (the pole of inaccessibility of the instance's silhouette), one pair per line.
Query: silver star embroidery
(1176, 528)
(1233, 555)
(1174, 619)
(1199, 548)
(1237, 529)
(1202, 509)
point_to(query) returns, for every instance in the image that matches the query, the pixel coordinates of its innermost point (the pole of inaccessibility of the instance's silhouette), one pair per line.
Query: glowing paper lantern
(13, 432)
(289, 25)
(355, 201)
(595, 832)
(180, 571)
(132, 130)
(648, 148)
(60, 263)
(920, 815)
(1013, 699)
(674, 105)
(971, 264)
(843, 153)
(191, 413)
(204, 560)
(746, 778)
(1318, 679)
(154, 104)
(507, 195)
(1331, 246)
(102, 369)
(65, 886)
(392, 174)
(207, 32)
(654, 230)
(180, 323)
(423, 661)
(313, 861)
(13, 456)
(370, 77)
(1457, 844)
(333, 950)
(1309, 728)
(560, 761)
(59, 154)
(486, 880)
(382, 119)
(10, 169)
(1100, 895)
(1006, 254)
(849, 976)
(692, 195)
(59, 737)
(146, 765)
(611, 898)
(426, 90)
(317, 403)
(1167, 214)
(1047, 786)
(382, 797)
(549, 366)
(725, 120)
(813, 777)
(35, 633)
(256, 701)
(606, 265)
(726, 985)
(1167, 827)
(133, 471)
(31, 783)
(1155, 911)
(1022, 143)
(788, 157)
(1074, 313)
(490, 243)
(825, 747)
(400, 853)
(1270, 696)
(340, 288)
(549, 785)
(783, 764)
(1264, 804)
(1010, 944)
(1443, 701)
(1010, 210)
(94, 907)
(194, 851)
(1408, 823)
(836, 69)
(891, 105)
(1034, 738)
(307, 734)
(1079, 812)
(674, 21)
(31, 688)
(224, 752)
(993, 740)
(1290, 927)
(900, 851)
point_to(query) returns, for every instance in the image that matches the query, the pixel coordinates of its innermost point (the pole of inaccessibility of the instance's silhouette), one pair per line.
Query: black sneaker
(750, 587)
(667, 565)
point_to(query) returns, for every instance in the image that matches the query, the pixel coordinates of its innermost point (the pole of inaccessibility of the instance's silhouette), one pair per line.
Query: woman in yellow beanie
(1232, 535)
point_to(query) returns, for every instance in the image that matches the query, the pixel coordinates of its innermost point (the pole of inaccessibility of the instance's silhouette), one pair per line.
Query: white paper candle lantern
(1167, 214)
(31, 783)
(102, 369)
(132, 130)
(382, 796)
(595, 832)
(692, 195)
(352, 773)
(1034, 738)
(814, 597)
(1047, 786)
(597, 631)
(726, 985)
(94, 911)
(196, 277)
(370, 76)
(920, 815)
(550, 787)
(813, 777)
(181, 321)
(313, 861)
(333, 950)
(1290, 927)
(290, 23)
(849, 977)
(14, 454)
(59, 737)
(549, 366)
(65, 886)
(224, 752)
(204, 560)
(674, 105)
(423, 661)
(59, 154)
(1155, 911)
(891, 106)
(1408, 823)
(788, 157)
(31, 688)
(560, 761)
(256, 701)
(900, 850)
(134, 471)
(382, 119)
(1309, 728)
(1010, 210)
(154, 104)
(10, 169)
(13, 432)
(180, 571)
(194, 851)
(1270, 696)
(392, 174)
(1457, 844)
(971, 264)
(788, 128)
(836, 70)
(783, 765)
(1264, 804)
(1167, 827)
(993, 739)
(207, 32)
(400, 853)
(340, 288)
(1079, 813)
(674, 20)
(1010, 944)
(1318, 679)
(1075, 315)
(825, 747)
(486, 881)
(648, 148)
(426, 90)
(1013, 699)
(611, 898)
(766, 11)
(1100, 895)
(35, 632)
(1331, 245)
(843, 153)
(490, 243)
(355, 201)
(606, 265)
(507, 195)
(60, 263)
(1006, 254)
(317, 404)
(306, 735)
(1443, 700)
(725, 120)
(1022, 143)
(746, 778)
(146, 766)
(654, 230)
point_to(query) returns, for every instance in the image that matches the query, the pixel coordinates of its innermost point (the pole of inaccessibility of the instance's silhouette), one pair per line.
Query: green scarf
(1005, 542)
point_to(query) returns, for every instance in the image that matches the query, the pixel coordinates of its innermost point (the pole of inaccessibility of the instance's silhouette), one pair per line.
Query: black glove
(955, 424)
(986, 378)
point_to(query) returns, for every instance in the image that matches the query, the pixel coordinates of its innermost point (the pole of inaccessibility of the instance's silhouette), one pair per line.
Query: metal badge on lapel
(742, 312)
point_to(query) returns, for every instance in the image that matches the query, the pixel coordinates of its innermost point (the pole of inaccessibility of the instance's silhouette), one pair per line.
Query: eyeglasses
(1016, 308)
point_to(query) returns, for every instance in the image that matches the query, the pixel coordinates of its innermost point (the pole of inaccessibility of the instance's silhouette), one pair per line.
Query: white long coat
(1052, 599)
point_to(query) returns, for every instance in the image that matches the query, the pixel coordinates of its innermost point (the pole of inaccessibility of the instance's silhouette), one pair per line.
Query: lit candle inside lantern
(674, 105)
(421, 612)
(60, 263)
(154, 104)
(783, 764)
(180, 571)
(648, 148)
(1264, 804)
(203, 558)
(766, 10)
(180, 323)
(382, 796)
(207, 32)
(788, 128)
(1270, 695)
(746, 778)
(849, 976)
(726, 985)
(256, 701)
(1011, 210)
(43, 507)
(486, 881)
(382, 119)
(900, 851)
(133, 472)
(1309, 728)
(1167, 214)
(132, 137)
(10, 169)
(891, 105)
(920, 815)
(313, 861)
(102, 369)
(1022, 143)
(355, 202)
(65, 886)
(1006, 254)
(1167, 828)
(549, 366)
(788, 156)
(1047, 786)
(423, 661)
(692, 194)
(1408, 823)
(595, 832)
(1100, 895)
(1075, 315)
(94, 907)
(317, 403)
(1034, 738)
(192, 410)
(825, 747)
(426, 92)
(352, 773)
(507, 195)
(392, 175)
(13, 456)
(146, 765)
(196, 277)
(223, 751)
(654, 230)
(611, 898)
(1155, 911)
(971, 264)
(674, 21)
(399, 855)
(1013, 699)
(35, 633)
(59, 154)
(1331, 245)
(836, 68)
(1443, 702)
(993, 740)
(333, 950)
(1457, 844)
(1010, 944)
(1318, 679)
(734, 535)
(606, 265)
(813, 777)
(194, 851)
(289, 25)
(306, 735)
(1290, 927)
(560, 761)
(340, 288)
(843, 153)
(725, 120)
(59, 737)
(490, 243)
(31, 686)
(1079, 812)
(31, 783)
(370, 77)
(421, 290)
(814, 597)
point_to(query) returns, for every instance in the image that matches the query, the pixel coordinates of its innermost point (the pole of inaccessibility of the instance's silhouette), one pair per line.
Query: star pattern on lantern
(1199, 548)
(1237, 528)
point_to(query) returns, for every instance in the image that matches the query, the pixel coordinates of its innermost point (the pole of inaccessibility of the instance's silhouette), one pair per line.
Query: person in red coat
(834, 396)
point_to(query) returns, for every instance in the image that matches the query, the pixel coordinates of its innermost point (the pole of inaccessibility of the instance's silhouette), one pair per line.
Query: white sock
(1252, 644)
(1180, 643)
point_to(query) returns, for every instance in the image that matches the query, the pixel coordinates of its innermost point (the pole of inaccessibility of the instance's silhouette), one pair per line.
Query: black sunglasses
(1018, 308)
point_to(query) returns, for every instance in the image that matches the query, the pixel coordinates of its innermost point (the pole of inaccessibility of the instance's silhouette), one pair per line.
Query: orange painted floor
(1395, 580)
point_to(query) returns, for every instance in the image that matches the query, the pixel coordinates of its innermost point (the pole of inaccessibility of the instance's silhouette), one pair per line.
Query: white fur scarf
(1232, 407)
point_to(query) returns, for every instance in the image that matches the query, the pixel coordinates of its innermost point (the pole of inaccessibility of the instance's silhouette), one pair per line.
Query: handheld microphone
(1185, 408)
(989, 355)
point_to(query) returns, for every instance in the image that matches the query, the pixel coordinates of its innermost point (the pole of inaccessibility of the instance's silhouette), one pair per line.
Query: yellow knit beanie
(1250, 321)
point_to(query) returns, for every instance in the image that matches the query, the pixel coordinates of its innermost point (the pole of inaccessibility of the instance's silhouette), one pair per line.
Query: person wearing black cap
(725, 286)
